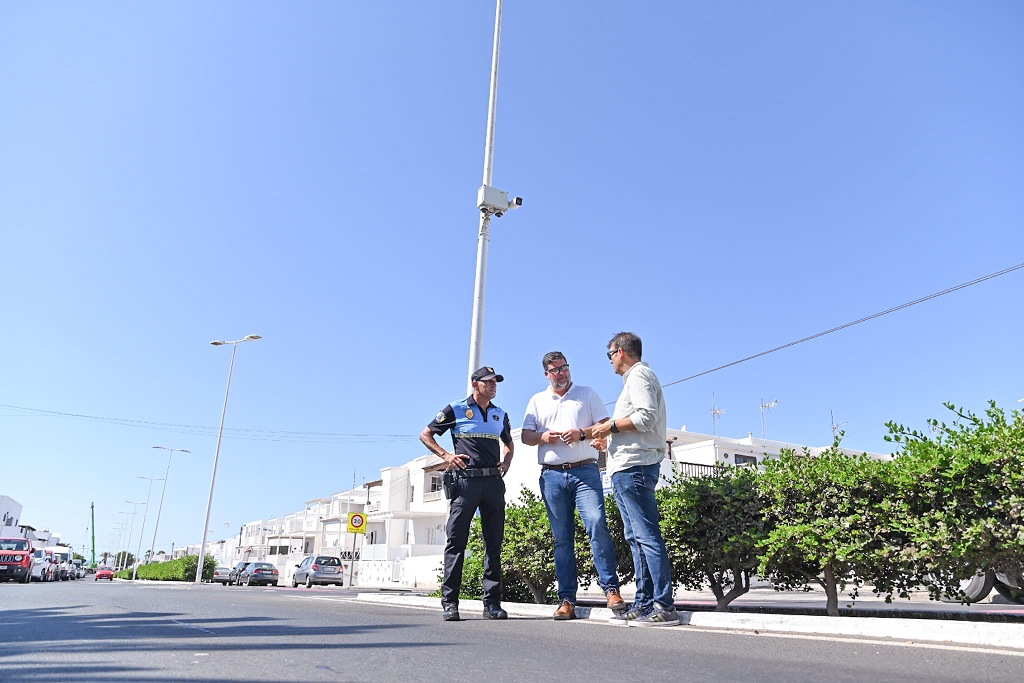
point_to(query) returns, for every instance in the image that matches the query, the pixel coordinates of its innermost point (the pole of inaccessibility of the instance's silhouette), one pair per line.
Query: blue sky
(720, 178)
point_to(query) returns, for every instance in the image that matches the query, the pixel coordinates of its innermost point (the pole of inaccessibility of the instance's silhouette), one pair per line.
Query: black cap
(487, 373)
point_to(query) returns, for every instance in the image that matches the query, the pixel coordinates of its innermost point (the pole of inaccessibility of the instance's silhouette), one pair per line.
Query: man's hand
(455, 462)
(572, 436)
(550, 437)
(601, 430)
(599, 444)
(504, 465)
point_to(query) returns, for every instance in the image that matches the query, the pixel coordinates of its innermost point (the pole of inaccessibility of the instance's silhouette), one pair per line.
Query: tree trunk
(539, 594)
(740, 585)
(831, 591)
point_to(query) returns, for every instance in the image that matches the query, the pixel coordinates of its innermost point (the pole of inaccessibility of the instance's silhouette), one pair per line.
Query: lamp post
(216, 455)
(131, 530)
(143, 530)
(160, 507)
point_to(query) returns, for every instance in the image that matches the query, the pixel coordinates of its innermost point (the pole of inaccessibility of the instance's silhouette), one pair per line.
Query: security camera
(492, 200)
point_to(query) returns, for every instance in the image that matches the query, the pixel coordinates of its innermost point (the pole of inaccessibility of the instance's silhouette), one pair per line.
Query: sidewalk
(914, 630)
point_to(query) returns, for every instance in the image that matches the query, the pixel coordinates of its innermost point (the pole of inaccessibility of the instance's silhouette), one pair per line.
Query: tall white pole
(213, 478)
(142, 531)
(484, 237)
(160, 507)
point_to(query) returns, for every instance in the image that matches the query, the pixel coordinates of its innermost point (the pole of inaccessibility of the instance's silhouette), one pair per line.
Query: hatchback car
(104, 573)
(257, 574)
(319, 570)
(221, 575)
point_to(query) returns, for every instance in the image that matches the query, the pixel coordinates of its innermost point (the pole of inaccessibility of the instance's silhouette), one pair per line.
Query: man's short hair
(550, 358)
(628, 342)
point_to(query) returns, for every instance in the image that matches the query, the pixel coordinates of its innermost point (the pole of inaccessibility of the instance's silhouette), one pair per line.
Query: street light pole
(484, 236)
(216, 455)
(143, 530)
(131, 530)
(160, 507)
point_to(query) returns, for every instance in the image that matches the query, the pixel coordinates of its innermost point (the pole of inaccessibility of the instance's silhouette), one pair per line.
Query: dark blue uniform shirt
(476, 432)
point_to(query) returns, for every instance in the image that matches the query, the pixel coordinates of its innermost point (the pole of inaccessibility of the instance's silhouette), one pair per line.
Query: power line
(850, 324)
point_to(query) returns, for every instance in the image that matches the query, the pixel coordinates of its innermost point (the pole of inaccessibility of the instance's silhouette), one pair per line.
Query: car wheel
(309, 581)
(295, 584)
(976, 588)
(1010, 593)
(248, 581)
(274, 584)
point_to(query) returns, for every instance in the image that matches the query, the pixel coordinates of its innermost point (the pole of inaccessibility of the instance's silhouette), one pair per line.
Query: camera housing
(492, 200)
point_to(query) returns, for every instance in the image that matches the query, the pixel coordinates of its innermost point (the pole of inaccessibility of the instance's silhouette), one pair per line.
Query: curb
(915, 630)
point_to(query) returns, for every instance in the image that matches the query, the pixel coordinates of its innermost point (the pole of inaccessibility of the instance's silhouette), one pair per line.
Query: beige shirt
(643, 402)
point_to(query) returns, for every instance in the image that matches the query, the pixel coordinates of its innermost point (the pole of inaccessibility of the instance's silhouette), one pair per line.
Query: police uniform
(477, 434)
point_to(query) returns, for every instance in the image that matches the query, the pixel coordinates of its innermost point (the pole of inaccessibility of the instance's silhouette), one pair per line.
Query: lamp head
(250, 337)
(218, 343)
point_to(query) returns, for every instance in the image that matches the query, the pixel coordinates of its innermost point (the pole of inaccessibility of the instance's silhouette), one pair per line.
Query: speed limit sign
(356, 523)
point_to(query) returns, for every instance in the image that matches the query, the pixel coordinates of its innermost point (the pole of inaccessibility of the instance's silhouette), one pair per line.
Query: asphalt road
(89, 631)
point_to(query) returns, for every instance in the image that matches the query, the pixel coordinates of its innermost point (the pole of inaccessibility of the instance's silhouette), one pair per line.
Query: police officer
(478, 429)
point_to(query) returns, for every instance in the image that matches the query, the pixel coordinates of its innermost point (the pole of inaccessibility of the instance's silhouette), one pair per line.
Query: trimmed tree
(963, 486)
(712, 526)
(834, 520)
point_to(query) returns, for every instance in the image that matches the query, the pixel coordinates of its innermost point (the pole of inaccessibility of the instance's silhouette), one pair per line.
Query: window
(435, 483)
(745, 459)
(412, 494)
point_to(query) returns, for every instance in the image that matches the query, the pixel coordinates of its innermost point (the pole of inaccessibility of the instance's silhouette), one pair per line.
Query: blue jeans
(565, 491)
(634, 493)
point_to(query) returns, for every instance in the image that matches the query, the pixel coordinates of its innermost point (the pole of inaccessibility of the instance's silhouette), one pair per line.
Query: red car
(104, 573)
(15, 560)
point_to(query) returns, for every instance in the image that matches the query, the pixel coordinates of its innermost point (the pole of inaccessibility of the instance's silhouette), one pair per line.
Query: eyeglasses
(612, 353)
(559, 369)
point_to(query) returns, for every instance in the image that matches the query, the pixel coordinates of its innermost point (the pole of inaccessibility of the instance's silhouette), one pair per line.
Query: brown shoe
(615, 602)
(565, 611)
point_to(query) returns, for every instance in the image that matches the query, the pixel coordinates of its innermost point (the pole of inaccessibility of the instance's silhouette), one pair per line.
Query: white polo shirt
(547, 411)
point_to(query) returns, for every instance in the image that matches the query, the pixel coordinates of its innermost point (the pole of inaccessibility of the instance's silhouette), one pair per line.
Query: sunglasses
(612, 353)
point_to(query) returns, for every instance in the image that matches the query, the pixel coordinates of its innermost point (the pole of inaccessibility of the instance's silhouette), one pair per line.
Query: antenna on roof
(715, 412)
(768, 407)
(835, 427)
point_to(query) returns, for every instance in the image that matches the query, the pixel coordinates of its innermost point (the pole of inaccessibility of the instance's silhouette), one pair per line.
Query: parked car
(104, 573)
(319, 570)
(258, 573)
(235, 571)
(221, 575)
(15, 560)
(40, 565)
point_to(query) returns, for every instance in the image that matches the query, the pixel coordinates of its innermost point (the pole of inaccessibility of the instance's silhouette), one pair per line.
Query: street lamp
(131, 530)
(216, 455)
(160, 508)
(143, 530)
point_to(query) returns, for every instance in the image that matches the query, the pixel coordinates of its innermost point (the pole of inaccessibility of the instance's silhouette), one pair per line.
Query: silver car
(319, 570)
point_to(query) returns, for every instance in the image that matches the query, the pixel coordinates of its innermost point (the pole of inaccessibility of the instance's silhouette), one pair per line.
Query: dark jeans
(634, 493)
(486, 494)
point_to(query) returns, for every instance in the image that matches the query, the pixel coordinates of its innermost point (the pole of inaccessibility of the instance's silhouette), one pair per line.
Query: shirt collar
(634, 365)
(572, 385)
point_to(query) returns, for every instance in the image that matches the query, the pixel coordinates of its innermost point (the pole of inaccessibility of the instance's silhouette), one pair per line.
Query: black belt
(480, 472)
(569, 465)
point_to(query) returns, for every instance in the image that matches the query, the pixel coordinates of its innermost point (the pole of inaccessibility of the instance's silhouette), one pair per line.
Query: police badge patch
(440, 416)
(469, 413)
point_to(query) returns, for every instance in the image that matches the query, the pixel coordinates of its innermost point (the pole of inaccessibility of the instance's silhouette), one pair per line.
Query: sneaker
(626, 617)
(615, 601)
(566, 610)
(658, 616)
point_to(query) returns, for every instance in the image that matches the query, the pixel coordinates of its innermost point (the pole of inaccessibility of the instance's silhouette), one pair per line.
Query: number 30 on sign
(356, 523)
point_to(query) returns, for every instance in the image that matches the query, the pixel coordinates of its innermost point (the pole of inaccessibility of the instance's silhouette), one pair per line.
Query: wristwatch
(583, 435)
(615, 430)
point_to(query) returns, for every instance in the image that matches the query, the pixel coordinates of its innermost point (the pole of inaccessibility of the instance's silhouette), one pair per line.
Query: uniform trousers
(486, 494)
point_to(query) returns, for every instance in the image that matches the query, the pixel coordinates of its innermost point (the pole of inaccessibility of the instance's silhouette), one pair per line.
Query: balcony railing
(692, 469)
(432, 496)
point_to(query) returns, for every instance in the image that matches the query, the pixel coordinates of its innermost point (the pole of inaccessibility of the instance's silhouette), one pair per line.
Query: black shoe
(494, 612)
(451, 613)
